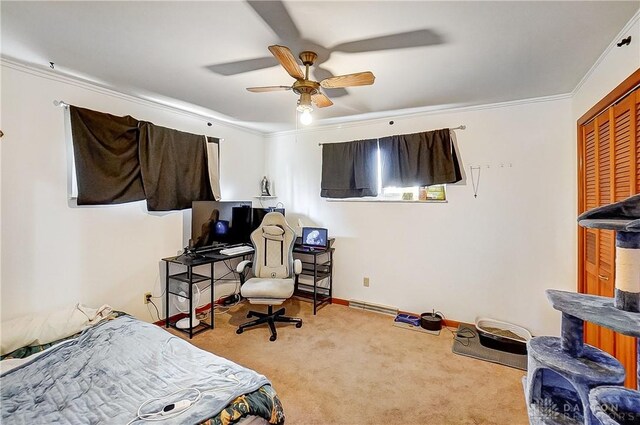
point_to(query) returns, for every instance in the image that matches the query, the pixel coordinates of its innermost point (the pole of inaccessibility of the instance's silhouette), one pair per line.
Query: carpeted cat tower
(569, 382)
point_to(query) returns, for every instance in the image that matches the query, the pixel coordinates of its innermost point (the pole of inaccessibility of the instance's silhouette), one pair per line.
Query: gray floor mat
(471, 347)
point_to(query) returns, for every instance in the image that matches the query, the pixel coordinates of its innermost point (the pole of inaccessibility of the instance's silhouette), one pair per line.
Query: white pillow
(42, 329)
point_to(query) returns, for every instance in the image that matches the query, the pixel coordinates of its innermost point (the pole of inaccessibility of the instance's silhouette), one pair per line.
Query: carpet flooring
(352, 367)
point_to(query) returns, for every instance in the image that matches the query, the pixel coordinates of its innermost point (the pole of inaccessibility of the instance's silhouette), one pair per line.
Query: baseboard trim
(447, 322)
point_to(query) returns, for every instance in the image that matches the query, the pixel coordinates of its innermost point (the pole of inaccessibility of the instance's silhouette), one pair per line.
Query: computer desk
(188, 276)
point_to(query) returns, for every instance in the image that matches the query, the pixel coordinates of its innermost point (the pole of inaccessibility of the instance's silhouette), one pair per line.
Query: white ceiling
(488, 51)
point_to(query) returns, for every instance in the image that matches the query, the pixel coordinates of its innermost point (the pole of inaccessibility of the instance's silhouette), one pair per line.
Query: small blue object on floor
(407, 318)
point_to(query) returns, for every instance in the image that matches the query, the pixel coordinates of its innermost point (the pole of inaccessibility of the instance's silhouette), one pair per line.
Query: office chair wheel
(273, 337)
(239, 331)
(299, 325)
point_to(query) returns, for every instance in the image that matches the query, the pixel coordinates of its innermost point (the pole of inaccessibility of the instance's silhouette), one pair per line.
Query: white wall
(55, 254)
(494, 255)
(613, 67)
(491, 256)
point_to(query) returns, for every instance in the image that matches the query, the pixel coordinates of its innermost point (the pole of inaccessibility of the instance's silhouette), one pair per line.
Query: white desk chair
(273, 268)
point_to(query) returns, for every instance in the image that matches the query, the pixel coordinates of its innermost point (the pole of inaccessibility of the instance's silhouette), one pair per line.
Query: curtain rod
(460, 127)
(65, 105)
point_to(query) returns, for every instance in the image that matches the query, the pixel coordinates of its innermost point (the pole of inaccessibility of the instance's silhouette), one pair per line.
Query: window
(409, 194)
(423, 194)
(382, 169)
(435, 193)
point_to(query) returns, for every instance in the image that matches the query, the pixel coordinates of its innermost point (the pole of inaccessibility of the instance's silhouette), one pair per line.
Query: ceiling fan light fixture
(305, 117)
(304, 106)
(304, 103)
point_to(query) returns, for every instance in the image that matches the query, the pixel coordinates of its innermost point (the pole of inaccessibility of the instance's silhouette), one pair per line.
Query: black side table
(318, 270)
(190, 278)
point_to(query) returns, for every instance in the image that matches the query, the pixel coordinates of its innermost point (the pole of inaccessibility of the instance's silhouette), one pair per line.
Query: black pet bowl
(431, 321)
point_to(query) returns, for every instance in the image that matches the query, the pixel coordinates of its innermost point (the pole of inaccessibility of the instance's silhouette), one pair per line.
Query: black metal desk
(190, 278)
(318, 271)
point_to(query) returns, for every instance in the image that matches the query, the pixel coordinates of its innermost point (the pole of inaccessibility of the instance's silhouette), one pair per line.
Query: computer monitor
(241, 224)
(315, 237)
(245, 220)
(259, 213)
(210, 222)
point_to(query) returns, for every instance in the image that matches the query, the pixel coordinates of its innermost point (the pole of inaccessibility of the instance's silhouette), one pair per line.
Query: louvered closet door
(610, 172)
(606, 238)
(590, 185)
(625, 184)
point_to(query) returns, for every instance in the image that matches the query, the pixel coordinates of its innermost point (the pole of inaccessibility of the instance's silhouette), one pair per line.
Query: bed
(121, 368)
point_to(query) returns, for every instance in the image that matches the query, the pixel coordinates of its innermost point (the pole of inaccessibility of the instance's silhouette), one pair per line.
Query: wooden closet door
(590, 185)
(606, 238)
(625, 184)
(610, 172)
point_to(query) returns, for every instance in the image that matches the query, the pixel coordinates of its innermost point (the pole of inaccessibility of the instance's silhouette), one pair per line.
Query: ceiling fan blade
(275, 14)
(287, 60)
(238, 67)
(268, 88)
(321, 100)
(323, 74)
(349, 80)
(417, 38)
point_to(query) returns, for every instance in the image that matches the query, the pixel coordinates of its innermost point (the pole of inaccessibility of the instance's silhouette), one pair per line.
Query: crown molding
(360, 120)
(604, 54)
(205, 115)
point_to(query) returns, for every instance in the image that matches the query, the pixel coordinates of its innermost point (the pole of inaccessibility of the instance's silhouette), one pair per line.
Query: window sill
(387, 201)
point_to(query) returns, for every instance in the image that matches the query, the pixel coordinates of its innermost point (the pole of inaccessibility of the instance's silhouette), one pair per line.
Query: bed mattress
(109, 370)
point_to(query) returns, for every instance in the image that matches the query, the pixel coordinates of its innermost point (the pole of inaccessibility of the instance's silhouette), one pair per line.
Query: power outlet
(147, 297)
(365, 282)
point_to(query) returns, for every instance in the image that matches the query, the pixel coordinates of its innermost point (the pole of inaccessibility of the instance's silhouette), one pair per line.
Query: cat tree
(569, 382)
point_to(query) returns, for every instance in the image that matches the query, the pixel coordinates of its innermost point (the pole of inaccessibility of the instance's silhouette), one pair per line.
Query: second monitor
(245, 220)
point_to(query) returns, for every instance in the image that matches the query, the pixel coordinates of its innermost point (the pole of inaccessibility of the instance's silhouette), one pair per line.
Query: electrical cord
(161, 415)
(462, 336)
(157, 281)
(156, 307)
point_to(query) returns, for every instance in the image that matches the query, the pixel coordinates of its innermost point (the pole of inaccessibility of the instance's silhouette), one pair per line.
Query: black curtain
(350, 170)
(174, 168)
(420, 159)
(106, 157)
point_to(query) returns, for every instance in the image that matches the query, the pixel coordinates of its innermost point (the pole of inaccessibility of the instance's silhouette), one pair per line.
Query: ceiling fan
(275, 15)
(309, 90)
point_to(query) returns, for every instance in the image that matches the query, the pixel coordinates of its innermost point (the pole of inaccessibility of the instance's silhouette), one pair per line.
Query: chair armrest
(242, 265)
(297, 266)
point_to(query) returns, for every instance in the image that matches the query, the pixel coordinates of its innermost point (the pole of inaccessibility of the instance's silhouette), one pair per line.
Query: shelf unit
(188, 278)
(318, 265)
